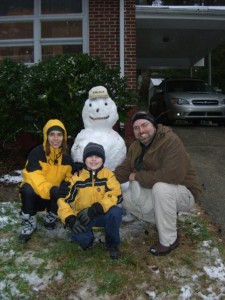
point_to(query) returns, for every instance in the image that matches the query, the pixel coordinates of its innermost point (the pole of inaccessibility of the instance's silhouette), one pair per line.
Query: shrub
(57, 88)
(11, 95)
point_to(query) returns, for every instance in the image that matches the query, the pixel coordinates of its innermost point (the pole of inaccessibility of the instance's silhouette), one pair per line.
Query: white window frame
(37, 42)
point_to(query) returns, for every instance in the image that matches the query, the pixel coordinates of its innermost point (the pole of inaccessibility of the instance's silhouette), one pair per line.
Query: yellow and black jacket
(90, 187)
(43, 172)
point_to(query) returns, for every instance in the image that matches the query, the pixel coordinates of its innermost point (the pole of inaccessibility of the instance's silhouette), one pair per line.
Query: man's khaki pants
(159, 205)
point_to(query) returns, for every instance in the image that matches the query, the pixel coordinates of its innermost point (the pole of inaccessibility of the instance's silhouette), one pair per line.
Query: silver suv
(187, 99)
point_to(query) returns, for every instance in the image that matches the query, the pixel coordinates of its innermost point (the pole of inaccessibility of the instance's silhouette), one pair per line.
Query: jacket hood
(163, 130)
(48, 125)
(163, 133)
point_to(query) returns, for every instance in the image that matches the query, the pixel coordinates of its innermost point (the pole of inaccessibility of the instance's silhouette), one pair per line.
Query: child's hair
(94, 149)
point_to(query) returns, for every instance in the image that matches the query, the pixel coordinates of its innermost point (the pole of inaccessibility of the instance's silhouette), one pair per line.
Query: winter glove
(86, 215)
(77, 167)
(75, 224)
(61, 191)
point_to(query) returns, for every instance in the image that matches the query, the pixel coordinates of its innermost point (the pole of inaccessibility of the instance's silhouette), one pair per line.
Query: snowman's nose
(97, 110)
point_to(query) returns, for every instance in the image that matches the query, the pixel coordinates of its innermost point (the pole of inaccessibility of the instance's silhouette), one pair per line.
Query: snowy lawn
(49, 266)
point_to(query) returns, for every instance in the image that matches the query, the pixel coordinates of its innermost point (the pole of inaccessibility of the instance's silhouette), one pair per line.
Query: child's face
(93, 162)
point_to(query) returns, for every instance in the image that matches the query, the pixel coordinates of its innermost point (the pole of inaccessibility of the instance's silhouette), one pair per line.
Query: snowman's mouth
(99, 118)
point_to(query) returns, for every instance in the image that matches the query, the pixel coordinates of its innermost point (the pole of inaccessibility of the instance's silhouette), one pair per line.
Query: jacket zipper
(93, 184)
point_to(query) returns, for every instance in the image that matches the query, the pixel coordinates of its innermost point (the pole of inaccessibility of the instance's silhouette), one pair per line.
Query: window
(62, 29)
(22, 54)
(32, 30)
(16, 30)
(61, 7)
(16, 8)
(60, 49)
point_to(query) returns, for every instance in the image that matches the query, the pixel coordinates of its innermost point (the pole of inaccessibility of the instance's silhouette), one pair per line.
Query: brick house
(32, 30)
(105, 26)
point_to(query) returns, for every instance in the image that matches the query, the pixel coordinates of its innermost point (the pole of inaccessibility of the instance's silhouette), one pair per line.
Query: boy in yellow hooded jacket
(45, 178)
(92, 202)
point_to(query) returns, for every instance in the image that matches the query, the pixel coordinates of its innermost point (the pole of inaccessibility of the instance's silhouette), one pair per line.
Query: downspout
(121, 38)
(210, 69)
(37, 32)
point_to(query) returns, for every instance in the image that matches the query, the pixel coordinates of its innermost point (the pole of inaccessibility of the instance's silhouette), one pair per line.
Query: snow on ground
(12, 178)
(189, 283)
(214, 267)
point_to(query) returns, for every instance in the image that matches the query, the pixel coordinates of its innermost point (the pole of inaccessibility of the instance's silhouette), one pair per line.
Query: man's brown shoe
(158, 249)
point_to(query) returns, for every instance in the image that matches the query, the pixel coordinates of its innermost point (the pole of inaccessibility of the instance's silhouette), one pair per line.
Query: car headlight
(178, 101)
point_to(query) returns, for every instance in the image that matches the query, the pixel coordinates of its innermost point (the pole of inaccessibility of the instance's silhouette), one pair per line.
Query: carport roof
(177, 36)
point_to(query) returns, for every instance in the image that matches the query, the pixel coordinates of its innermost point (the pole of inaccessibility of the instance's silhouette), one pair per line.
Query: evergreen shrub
(55, 88)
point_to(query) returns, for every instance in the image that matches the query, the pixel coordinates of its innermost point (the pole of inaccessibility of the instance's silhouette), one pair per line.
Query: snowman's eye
(90, 105)
(106, 103)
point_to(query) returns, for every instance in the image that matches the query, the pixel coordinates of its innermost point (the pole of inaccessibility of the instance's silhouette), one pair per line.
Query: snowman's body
(99, 116)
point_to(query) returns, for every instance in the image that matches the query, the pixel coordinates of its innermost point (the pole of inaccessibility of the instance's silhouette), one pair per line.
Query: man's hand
(132, 176)
(61, 191)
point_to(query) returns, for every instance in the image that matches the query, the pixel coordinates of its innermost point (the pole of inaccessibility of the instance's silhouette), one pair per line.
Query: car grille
(205, 102)
(205, 114)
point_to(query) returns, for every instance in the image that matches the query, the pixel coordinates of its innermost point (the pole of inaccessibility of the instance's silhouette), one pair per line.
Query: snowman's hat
(98, 92)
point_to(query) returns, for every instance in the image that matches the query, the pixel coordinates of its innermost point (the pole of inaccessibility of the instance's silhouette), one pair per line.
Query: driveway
(206, 146)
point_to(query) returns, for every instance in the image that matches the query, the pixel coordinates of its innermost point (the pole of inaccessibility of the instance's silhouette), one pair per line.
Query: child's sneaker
(50, 220)
(114, 252)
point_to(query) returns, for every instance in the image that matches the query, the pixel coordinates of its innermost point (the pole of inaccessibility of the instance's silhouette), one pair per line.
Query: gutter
(121, 38)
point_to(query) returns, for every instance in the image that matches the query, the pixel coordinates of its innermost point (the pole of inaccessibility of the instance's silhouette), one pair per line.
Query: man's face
(144, 131)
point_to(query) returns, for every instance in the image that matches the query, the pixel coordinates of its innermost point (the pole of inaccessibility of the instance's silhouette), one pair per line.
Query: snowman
(99, 115)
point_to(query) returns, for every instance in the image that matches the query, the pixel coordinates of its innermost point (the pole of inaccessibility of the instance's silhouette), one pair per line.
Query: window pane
(59, 50)
(16, 31)
(19, 54)
(16, 7)
(54, 29)
(61, 7)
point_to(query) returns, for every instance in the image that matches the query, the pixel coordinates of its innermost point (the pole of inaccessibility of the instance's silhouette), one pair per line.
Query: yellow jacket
(43, 172)
(88, 188)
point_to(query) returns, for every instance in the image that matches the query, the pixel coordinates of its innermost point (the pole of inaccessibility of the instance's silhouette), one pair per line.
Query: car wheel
(196, 122)
(163, 117)
(220, 123)
(153, 109)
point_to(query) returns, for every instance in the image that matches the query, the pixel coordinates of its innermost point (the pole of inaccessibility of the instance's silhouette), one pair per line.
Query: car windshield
(209, 88)
(185, 86)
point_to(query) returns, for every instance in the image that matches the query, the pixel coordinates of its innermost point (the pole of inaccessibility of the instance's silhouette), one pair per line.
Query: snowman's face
(101, 113)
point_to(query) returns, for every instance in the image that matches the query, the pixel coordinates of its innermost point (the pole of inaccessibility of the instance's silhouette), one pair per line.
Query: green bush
(11, 95)
(55, 88)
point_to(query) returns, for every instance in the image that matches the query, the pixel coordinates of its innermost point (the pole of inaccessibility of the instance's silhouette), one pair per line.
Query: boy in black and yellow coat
(92, 202)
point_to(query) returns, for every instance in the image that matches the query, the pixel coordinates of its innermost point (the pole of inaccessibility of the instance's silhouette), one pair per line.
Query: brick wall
(104, 35)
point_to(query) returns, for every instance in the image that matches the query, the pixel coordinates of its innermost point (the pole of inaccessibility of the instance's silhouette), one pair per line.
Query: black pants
(32, 203)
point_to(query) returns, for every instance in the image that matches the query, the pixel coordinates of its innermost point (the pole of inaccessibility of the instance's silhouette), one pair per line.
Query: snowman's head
(99, 110)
